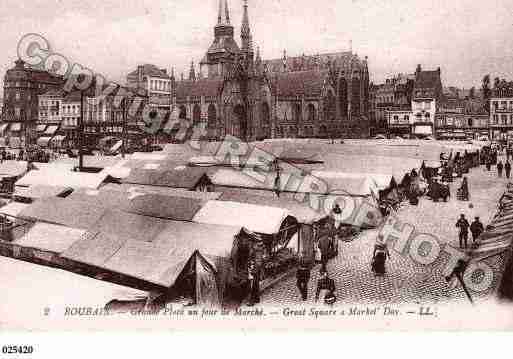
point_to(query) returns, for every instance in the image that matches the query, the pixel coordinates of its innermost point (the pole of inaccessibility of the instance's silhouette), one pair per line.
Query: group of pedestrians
(325, 284)
(504, 168)
(476, 228)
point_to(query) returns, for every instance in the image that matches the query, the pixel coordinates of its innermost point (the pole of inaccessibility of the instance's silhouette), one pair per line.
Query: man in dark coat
(463, 225)
(303, 277)
(325, 283)
(476, 228)
(254, 283)
(500, 167)
(507, 168)
(324, 246)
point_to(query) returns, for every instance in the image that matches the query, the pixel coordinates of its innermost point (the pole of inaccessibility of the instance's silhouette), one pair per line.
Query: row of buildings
(417, 105)
(233, 91)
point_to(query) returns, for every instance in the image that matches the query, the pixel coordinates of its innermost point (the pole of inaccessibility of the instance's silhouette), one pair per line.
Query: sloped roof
(160, 260)
(73, 96)
(13, 168)
(62, 178)
(308, 83)
(428, 79)
(301, 211)
(259, 219)
(198, 88)
(50, 237)
(185, 177)
(152, 71)
(64, 212)
(312, 62)
(134, 190)
(40, 191)
(166, 207)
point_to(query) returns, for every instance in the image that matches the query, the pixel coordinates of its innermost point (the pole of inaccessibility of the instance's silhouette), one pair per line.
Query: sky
(466, 38)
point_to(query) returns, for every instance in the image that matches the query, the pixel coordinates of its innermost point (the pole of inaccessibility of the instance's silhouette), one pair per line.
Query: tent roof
(13, 209)
(102, 198)
(159, 206)
(135, 189)
(13, 168)
(62, 178)
(159, 261)
(180, 177)
(382, 181)
(301, 211)
(40, 285)
(259, 219)
(40, 191)
(50, 237)
(63, 211)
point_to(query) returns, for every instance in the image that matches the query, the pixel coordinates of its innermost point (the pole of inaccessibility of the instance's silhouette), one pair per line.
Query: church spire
(226, 12)
(247, 41)
(192, 72)
(220, 14)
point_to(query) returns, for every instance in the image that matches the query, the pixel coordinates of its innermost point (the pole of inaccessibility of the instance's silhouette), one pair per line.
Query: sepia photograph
(219, 165)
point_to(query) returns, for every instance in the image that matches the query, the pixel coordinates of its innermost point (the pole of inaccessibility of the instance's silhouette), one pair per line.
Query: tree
(472, 93)
(487, 92)
(496, 83)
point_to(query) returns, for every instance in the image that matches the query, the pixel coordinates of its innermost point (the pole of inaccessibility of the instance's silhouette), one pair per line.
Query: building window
(504, 119)
(17, 95)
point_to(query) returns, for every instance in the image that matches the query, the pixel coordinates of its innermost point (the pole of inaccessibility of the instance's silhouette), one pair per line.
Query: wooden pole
(81, 133)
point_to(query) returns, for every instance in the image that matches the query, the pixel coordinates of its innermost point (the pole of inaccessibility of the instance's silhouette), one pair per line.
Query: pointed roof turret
(226, 12)
(192, 72)
(245, 31)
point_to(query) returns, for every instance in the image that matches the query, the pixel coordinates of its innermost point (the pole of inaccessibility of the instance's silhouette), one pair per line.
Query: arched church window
(311, 113)
(196, 114)
(212, 116)
(183, 112)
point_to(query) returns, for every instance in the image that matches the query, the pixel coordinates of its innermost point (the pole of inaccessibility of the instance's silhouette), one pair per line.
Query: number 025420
(17, 349)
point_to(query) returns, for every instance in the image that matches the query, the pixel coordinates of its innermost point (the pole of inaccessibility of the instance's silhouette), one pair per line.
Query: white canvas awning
(259, 219)
(43, 141)
(51, 130)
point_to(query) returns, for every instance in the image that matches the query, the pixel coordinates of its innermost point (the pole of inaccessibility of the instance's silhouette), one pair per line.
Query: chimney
(419, 69)
(439, 70)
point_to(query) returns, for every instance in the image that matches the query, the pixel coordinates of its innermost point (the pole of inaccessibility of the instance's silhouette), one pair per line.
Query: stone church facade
(237, 93)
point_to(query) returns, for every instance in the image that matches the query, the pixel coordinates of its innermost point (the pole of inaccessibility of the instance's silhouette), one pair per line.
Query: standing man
(303, 277)
(254, 284)
(476, 228)
(324, 246)
(500, 167)
(463, 225)
(325, 288)
(507, 168)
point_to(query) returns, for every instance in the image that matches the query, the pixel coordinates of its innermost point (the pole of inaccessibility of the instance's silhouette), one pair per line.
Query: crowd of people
(412, 187)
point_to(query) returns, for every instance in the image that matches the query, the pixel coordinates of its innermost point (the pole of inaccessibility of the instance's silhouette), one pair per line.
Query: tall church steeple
(245, 32)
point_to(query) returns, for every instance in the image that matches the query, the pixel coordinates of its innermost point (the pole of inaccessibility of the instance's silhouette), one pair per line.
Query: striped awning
(51, 130)
(43, 141)
(16, 126)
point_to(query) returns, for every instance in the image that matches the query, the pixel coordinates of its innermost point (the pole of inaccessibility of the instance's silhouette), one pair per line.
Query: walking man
(254, 284)
(500, 167)
(324, 246)
(325, 288)
(303, 277)
(476, 228)
(463, 225)
(507, 168)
